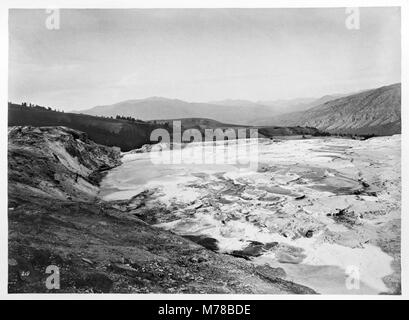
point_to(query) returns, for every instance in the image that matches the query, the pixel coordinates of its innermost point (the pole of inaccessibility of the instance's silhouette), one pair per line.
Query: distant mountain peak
(157, 98)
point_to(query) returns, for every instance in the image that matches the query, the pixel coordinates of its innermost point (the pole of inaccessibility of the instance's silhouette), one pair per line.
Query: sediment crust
(56, 218)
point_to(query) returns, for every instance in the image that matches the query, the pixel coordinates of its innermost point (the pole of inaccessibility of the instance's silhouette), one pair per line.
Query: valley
(244, 152)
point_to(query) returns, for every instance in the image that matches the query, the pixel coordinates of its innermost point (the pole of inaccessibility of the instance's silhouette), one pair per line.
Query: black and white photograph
(204, 151)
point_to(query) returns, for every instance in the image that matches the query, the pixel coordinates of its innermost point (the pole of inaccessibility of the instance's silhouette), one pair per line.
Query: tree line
(36, 106)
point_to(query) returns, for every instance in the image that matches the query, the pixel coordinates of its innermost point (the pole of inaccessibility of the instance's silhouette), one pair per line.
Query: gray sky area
(105, 56)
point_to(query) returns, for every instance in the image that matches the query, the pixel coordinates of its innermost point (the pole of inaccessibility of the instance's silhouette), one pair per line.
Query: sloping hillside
(294, 105)
(376, 111)
(276, 107)
(111, 132)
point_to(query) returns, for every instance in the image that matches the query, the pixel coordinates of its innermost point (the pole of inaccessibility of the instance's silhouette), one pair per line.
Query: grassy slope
(110, 132)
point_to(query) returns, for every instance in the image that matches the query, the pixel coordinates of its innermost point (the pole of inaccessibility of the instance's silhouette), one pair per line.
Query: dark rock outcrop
(57, 162)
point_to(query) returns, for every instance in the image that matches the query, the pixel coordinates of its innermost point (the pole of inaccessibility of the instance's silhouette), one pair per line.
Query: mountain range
(155, 108)
(375, 111)
(240, 112)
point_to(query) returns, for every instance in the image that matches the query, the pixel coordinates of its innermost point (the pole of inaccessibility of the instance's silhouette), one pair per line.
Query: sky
(100, 57)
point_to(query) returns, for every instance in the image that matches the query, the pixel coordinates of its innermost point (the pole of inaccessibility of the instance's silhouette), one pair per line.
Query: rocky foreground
(56, 218)
(320, 211)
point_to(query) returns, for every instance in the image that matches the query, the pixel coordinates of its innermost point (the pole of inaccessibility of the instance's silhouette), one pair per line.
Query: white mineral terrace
(294, 191)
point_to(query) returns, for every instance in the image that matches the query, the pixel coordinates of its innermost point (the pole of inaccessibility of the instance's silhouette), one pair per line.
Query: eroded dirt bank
(318, 210)
(56, 218)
